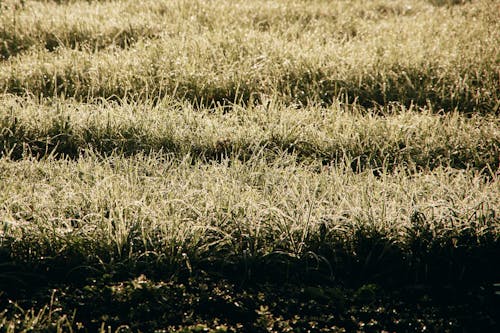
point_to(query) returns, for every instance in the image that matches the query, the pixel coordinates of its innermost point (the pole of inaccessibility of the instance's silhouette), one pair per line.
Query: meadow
(249, 166)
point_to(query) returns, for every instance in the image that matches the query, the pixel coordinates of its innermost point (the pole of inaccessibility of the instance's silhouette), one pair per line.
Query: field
(249, 166)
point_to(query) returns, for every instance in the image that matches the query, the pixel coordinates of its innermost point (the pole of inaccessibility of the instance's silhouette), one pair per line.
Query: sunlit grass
(446, 57)
(124, 207)
(412, 137)
(154, 155)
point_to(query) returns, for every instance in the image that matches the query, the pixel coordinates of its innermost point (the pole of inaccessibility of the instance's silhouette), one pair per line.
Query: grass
(377, 54)
(71, 221)
(414, 137)
(235, 166)
(128, 206)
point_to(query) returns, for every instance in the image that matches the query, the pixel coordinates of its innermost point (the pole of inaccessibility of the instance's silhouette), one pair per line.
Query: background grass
(159, 159)
(375, 54)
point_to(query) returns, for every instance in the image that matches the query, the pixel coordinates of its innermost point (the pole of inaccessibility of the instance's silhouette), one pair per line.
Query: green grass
(324, 166)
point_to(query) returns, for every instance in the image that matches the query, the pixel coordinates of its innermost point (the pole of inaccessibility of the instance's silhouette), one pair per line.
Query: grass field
(249, 166)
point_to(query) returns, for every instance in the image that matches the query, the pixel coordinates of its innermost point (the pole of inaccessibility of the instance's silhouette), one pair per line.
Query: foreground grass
(89, 226)
(201, 304)
(184, 212)
(446, 57)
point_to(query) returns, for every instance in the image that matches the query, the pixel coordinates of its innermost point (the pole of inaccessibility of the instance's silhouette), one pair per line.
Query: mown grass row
(340, 133)
(155, 214)
(377, 54)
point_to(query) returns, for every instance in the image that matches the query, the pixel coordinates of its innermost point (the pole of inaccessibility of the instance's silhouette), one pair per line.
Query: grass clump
(81, 25)
(183, 213)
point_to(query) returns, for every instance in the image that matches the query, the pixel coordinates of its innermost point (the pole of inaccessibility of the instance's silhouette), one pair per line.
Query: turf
(236, 166)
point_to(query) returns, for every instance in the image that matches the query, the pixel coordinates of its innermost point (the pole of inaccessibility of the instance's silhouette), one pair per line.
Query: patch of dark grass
(447, 3)
(209, 304)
